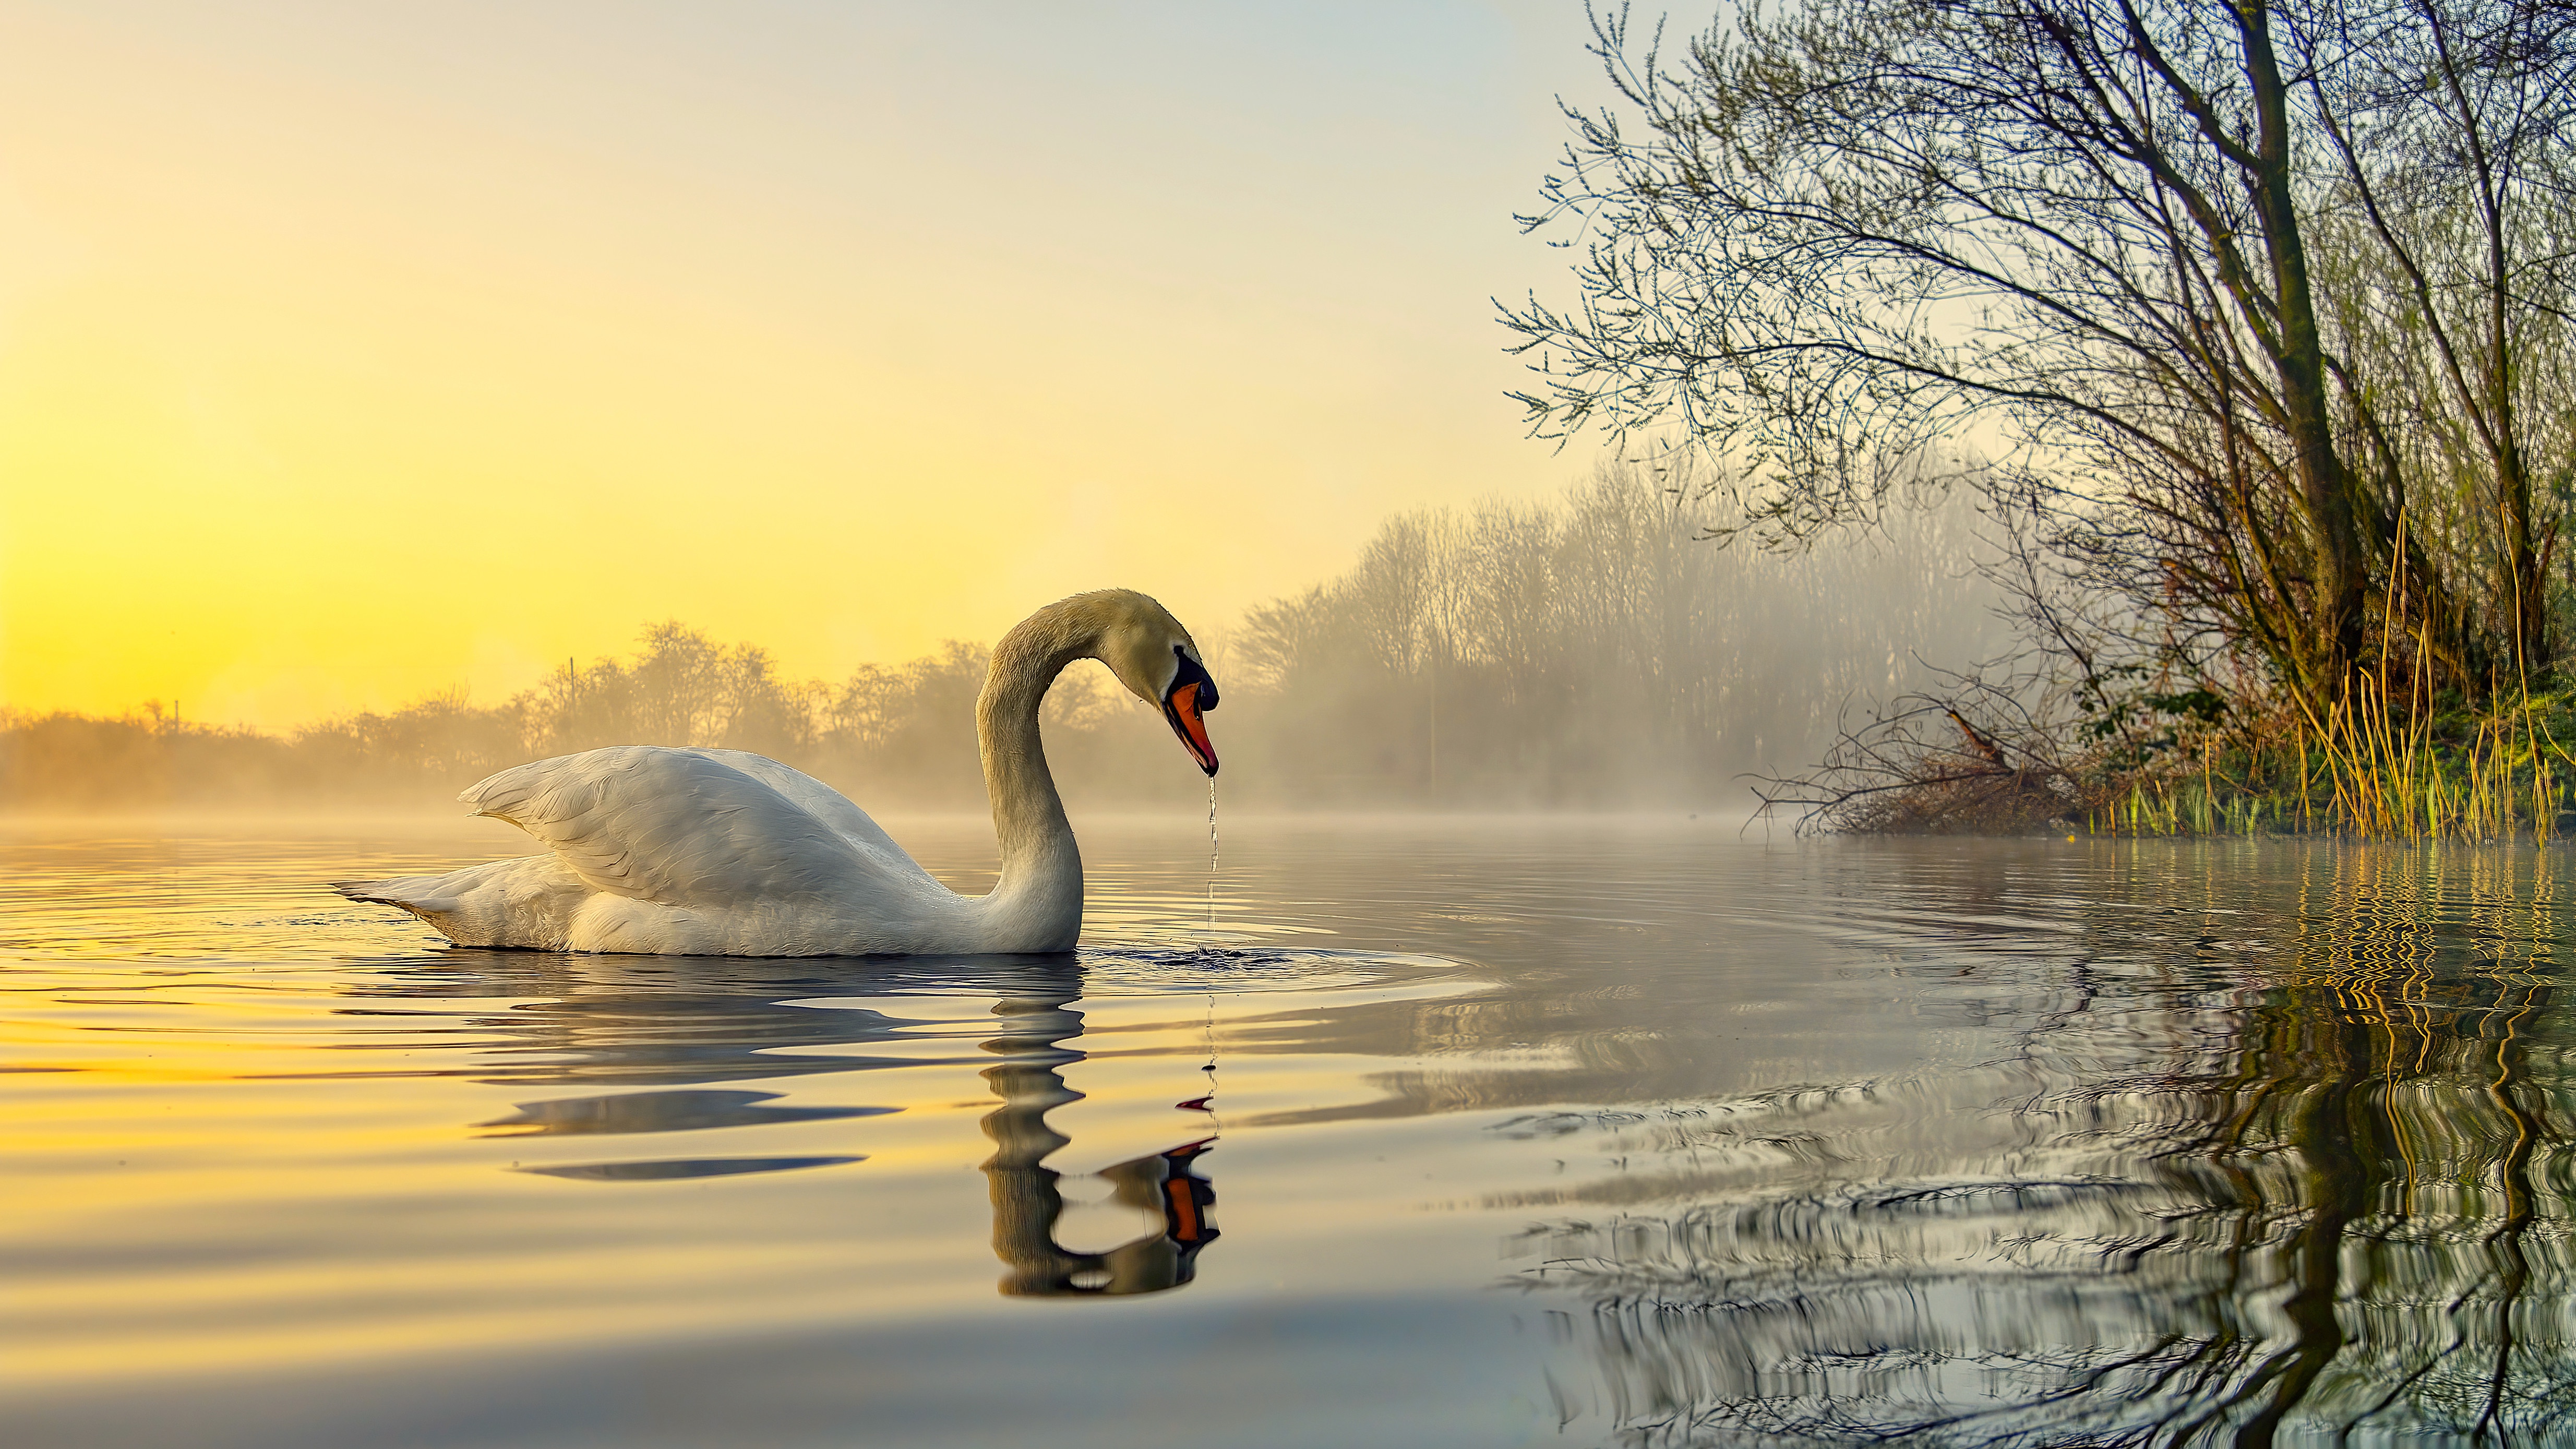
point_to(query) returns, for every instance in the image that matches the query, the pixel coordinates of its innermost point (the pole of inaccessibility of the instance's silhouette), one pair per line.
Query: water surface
(1458, 1133)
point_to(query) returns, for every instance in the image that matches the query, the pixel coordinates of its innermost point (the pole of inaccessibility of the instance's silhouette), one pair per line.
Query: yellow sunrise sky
(353, 352)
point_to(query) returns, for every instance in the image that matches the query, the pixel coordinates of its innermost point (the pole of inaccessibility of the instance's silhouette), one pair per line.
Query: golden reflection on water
(261, 1139)
(1985, 1142)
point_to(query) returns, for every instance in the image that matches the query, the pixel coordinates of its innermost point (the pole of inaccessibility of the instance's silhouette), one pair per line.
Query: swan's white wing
(822, 802)
(676, 827)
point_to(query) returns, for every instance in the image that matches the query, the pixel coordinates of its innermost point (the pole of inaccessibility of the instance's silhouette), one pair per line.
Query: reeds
(2190, 807)
(2372, 767)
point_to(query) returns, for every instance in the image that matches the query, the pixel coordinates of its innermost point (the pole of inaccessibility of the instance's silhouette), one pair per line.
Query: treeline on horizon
(1595, 651)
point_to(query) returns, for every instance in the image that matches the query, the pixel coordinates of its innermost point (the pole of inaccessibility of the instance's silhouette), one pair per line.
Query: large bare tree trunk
(2340, 577)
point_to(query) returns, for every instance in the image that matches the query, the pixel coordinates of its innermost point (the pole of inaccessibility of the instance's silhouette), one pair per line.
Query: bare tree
(2150, 253)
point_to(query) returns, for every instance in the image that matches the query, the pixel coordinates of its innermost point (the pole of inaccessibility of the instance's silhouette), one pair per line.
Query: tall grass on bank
(2012, 756)
(2371, 768)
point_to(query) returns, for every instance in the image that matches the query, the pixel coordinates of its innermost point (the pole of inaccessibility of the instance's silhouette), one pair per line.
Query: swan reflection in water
(1028, 1197)
(669, 1024)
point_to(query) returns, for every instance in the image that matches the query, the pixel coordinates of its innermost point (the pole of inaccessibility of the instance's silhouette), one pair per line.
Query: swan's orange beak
(1181, 707)
(1191, 694)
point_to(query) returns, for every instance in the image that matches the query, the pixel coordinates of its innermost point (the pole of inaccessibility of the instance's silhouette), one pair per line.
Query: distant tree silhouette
(1589, 651)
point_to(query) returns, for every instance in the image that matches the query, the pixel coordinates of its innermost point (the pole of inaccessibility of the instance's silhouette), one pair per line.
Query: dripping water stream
(1212, 861)
(1207, 1102)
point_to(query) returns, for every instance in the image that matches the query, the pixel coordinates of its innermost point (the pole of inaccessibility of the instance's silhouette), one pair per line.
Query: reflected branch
(2268, 1193)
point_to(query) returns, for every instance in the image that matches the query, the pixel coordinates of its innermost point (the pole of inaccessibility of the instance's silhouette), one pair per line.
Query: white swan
(724, 853)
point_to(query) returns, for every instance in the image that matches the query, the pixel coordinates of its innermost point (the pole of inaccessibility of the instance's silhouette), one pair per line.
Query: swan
(726, 853)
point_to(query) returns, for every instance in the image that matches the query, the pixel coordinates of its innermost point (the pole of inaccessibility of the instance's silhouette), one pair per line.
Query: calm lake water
(1458, 1133)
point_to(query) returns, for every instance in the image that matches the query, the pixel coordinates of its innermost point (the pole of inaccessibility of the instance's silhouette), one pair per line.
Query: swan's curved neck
(1041, 884)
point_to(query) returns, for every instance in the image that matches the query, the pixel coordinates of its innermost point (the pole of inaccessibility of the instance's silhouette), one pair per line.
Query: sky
(353, 352)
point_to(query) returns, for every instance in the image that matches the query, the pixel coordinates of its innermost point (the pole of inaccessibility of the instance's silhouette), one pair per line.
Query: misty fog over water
(1591, 651)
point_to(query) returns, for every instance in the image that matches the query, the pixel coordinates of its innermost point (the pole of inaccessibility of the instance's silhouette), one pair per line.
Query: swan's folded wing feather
(674, 827)
(825, 804)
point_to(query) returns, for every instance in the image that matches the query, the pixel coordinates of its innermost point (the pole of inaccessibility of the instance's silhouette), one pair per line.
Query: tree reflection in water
(2294, 1168)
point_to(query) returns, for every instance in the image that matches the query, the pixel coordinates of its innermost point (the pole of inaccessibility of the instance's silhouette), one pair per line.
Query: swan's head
(1159, 663)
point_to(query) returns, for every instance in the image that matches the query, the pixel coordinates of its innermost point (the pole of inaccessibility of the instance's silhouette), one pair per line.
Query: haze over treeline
(1597, 650)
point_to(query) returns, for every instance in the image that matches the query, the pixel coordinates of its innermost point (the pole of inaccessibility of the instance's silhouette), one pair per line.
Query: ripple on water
(1977, 1142)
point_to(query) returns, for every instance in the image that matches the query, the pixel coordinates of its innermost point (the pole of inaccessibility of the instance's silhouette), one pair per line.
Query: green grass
(2366, 770)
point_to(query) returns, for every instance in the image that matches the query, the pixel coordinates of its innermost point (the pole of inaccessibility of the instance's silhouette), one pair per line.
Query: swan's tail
(425, 896)
(526, 902)
(418, 894)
